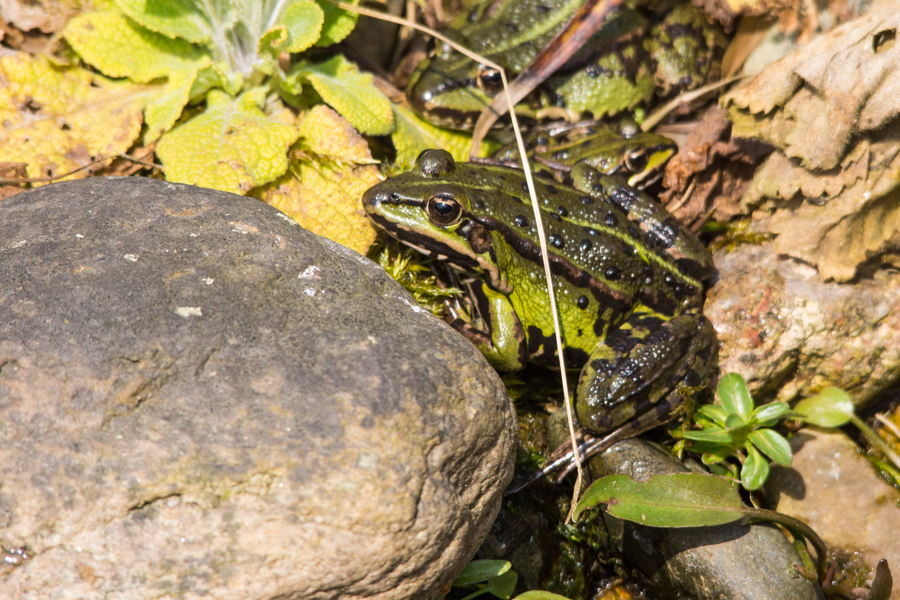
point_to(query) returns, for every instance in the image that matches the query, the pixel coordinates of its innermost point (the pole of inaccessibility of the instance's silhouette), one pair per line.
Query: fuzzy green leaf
(232, 146)
(183, 19)
(298, 30)
(735, 396)
(772, 444)
(349, 92)
(118, 47)
(679, 500)
(412, 135)
(338, 23)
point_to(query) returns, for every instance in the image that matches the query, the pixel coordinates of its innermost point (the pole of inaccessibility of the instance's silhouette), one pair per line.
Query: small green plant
(833, 408)
(735, 437)
(409, 268)
(496, 577)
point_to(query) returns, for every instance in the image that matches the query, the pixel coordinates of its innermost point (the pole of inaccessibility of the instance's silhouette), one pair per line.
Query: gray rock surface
(733, 561)
(790, 334)
(198, 398)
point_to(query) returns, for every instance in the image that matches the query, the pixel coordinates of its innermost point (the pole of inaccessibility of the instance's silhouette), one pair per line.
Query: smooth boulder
(198, 398)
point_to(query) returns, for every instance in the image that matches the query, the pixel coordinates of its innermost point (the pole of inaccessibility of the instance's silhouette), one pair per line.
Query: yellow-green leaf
(233, 146)
(338, 23)
(323, 191)
(351, 93)
(412, 135)
(118, 47)
(56, 121)
(299, 29)
(179, 18)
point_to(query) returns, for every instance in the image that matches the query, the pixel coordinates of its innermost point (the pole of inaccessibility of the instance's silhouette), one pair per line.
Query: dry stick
(684, 198)
(654, 119)
(889, 424)
(537, 215)
(87, 166)
(585, 23)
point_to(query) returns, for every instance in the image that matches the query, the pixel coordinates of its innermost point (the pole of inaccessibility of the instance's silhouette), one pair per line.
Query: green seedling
(735, 436)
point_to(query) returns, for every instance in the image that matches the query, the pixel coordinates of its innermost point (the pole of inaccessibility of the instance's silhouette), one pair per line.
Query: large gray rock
(723, 562)
(198, 398)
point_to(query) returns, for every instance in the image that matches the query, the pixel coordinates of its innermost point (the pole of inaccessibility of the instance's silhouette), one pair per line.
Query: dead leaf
(49, 16)
(838, 220)
(813, 101)
(780, 178)
(832, 186)
(749, 34)
(793, 15)
(58, 120)
(10, 172)
(713, 168)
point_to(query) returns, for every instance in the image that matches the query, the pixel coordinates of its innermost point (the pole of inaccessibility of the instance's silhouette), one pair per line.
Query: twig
(16, 180)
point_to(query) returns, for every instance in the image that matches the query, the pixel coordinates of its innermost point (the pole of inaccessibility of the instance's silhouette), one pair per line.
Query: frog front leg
(631, 382)
(494, 328)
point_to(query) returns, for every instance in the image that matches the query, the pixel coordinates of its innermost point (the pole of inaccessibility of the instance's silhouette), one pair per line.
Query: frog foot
(633, 382)
(630, 382)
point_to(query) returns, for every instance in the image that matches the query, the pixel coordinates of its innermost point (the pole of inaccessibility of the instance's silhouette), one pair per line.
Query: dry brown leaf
(713, 168)
(780, 178)
(9, 173)
(838, 220)
(793, 15)
(49, 16)
(749, 34)
(813, 101)
(857, 227)
(727, 11)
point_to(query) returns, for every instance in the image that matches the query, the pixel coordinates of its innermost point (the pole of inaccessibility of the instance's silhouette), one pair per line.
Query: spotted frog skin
(628, 280)
(626, 151)
(645, 47)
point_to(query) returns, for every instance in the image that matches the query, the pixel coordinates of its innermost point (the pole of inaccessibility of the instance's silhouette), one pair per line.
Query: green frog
(628, 279)
(643, 48)
(624, 150)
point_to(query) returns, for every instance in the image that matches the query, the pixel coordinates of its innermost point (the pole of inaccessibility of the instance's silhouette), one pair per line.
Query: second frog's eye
(636, 160)
(443, 209)
(489, 80)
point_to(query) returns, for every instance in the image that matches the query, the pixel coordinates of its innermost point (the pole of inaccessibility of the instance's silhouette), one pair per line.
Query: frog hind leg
(631, 382)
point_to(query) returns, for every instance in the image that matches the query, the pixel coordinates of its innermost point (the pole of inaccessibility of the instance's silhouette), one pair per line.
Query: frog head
(430, 209)
(451, 90)
(639, 159)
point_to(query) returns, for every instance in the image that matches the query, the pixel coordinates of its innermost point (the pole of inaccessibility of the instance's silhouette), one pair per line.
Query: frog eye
(636, 160)
(443, 209)
(489, 80)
